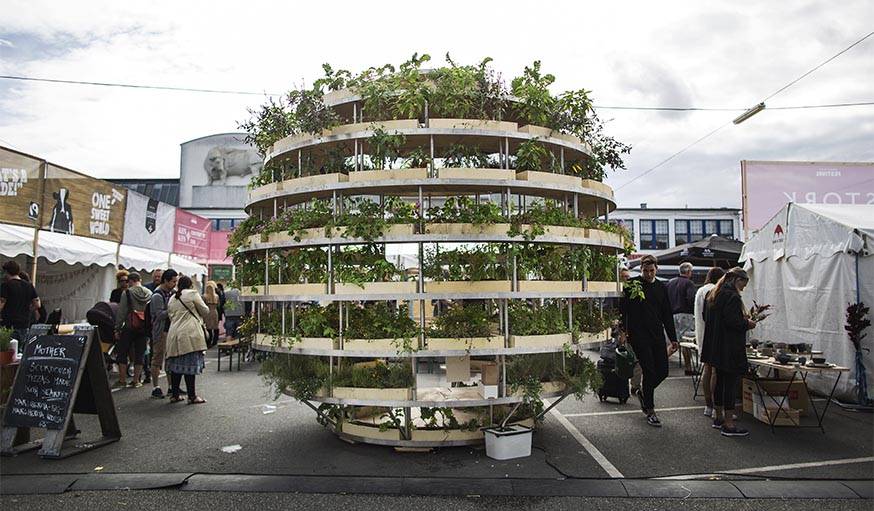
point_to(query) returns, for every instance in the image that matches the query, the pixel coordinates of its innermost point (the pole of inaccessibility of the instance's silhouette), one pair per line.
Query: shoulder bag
(136, 320)
(199, 321)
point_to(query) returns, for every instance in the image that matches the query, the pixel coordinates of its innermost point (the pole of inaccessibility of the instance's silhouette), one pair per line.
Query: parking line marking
(775, 468)
(621, 412)
(593, 451)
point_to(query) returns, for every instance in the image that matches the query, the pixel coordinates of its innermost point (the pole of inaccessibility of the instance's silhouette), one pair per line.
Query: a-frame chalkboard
(59, 375)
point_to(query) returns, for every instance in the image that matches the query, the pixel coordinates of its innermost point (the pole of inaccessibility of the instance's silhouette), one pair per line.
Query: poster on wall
(191, 235)
(149, 223)
(20, 200)
(218, 247)
(77, 204)
(769, 185)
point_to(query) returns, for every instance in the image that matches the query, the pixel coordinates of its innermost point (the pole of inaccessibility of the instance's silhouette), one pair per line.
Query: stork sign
(59, 375)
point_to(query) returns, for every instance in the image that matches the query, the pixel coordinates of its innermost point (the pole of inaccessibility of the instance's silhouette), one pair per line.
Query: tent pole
(36, 255)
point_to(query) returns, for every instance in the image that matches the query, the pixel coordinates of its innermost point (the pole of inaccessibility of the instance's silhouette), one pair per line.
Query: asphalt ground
(584, 439)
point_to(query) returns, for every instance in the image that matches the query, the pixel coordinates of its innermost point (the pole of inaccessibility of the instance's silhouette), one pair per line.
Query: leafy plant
(239, 237)
(5, 338)
(377, 374)
(532, 155)
(633, 290)
(527, 318)
(366, 263)
(536, 105)
(380, 320)
(303, 376)
(463, 209)
(418, 158)
(384, 148)
(458, 321)
(460, 155)
(472, 263)
(447, 419)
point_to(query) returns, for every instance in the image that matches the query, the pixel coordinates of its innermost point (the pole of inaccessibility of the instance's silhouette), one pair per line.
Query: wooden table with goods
(778, 413)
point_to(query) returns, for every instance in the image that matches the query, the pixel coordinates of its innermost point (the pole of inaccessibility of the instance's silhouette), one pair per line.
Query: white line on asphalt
(620, 412)
(593, 451)
(775, 468)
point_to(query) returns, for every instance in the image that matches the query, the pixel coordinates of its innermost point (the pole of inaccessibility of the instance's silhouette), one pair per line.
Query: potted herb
(7, 354)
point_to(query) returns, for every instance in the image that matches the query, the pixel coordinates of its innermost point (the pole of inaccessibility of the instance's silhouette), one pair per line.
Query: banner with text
(149, 223)
(191, 235)
(77, 204)
(769, 185)
(20, 177)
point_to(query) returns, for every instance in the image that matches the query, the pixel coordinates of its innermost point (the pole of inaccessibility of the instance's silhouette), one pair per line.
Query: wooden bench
(229, 347)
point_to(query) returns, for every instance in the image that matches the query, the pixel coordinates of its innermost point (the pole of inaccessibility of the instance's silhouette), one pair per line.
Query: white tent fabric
(142, 258)
(186, 266)
(809, 262)
(74, 288)
(16, 240)
(56, 246)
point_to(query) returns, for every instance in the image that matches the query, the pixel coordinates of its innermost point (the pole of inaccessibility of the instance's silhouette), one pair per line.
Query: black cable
(134, 86)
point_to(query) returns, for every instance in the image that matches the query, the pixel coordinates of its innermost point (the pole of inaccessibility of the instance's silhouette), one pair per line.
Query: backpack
(135, 320)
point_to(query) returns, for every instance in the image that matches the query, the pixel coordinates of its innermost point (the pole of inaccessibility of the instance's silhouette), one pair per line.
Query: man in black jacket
(646, 314)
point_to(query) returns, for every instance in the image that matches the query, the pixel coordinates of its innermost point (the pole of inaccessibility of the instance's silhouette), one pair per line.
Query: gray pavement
(164, 438)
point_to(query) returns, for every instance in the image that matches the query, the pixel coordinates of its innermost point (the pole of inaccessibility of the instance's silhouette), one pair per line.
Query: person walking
(233, 311)
(121, 278)
(130, 330)
(708, 376)
(160, 325)
(223, 300)
(726, 329)
(18, 301)
(647, 319)
(186, 340)
(211, 299)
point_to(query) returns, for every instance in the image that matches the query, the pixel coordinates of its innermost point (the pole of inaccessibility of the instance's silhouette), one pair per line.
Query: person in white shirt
(708, 376)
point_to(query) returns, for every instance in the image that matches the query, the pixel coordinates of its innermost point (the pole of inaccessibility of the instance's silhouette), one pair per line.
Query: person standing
(681, 292)
(18, 301)
(708, 376)
(156, 280)
(647, 318)
(186, 340)
(220, 289)
(160, 325)
(233, 312)
(211, 299)
(121, 278)
(727, 327)
(130, 331)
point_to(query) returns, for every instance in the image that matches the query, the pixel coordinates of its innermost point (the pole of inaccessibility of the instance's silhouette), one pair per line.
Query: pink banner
(218, 247)
(769, 185)
(192, 234)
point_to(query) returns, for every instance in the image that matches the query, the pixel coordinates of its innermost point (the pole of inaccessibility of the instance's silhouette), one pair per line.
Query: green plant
(527, 318)
(460, 155)
(239, 237)
(315, 321)
(303, 376)
(473, 263)
(418, 158)
(384, 148)
(532, 155)
(377, 374)
(304, 266)
(533, 221)
(363, 218)
(633, 290)
(380, 320)
(365, 263)
(536, 105)
(463, 209)
(593, 319)
(447, 419)
(5, 338)
(459, 321)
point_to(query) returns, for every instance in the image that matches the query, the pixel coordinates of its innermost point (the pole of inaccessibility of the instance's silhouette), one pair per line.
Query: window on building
(653, 234)
(726, 228)
(688, 231)
(681, 232)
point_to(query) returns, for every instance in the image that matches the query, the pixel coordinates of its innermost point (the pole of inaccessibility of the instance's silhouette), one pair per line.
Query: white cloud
(725, 54)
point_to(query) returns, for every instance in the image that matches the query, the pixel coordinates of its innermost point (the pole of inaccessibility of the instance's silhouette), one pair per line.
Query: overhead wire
(713, 132)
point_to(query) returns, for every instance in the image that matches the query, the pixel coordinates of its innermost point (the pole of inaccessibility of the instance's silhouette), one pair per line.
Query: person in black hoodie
(647, 319)
(726, 331)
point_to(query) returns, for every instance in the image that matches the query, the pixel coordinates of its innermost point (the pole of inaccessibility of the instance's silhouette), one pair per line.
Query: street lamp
(749, 113)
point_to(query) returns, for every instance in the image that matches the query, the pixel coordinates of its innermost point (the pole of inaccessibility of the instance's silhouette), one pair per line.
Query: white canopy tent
(810, 261)
(74, 272)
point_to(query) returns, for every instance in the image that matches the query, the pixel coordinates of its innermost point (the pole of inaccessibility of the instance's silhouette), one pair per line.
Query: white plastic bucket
(509, 443)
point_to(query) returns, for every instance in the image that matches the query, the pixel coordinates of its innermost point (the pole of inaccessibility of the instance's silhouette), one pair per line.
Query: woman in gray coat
(186, 340)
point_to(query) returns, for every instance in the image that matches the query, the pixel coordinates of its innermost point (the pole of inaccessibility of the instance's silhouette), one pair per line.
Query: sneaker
(135, 385)
(708, 411)
(147, 379)
(735, 431)
(157, 393)
(717, 423)
(654, 421)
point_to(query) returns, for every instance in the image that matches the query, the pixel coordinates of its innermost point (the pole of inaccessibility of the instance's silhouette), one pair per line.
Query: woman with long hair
(708, 376)
(211, 299)
(727, 325)
(186, 340)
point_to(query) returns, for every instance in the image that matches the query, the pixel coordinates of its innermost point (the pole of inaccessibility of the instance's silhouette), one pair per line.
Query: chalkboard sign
(45, 385)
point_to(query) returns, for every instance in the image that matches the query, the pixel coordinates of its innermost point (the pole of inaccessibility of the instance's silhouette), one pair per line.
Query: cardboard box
(798, 396)
(458, 368)
(785, 415)
(490, 373)
(488, 391)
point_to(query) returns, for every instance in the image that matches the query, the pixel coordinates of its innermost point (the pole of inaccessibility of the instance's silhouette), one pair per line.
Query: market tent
(708, 252)
(144, 259)
(16, 240)
(809, 262)
(55, 246)
(186, 266)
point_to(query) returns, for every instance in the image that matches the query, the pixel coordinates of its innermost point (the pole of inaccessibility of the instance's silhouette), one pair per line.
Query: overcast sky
(703, 54)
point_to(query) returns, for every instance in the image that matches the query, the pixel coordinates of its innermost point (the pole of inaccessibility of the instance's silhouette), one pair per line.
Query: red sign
(218, 247)
(192, 234)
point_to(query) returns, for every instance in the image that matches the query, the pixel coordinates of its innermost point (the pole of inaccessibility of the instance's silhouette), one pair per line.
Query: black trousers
(652, 354)
(724, 393)
(176, 379)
